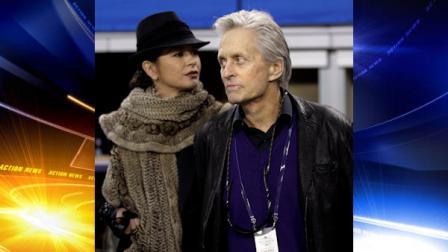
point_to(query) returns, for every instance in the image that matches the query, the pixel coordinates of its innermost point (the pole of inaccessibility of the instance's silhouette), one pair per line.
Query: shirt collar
(286, 111)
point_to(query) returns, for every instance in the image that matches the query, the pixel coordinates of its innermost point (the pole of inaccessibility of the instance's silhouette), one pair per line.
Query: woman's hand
(133, 222)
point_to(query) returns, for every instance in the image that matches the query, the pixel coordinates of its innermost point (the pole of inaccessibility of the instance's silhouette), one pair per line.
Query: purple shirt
(252, 160)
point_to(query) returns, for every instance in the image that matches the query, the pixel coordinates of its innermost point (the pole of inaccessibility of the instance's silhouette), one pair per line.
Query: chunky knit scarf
(142, 175)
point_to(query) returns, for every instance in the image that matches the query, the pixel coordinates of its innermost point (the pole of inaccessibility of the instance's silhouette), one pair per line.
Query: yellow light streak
(80, 103)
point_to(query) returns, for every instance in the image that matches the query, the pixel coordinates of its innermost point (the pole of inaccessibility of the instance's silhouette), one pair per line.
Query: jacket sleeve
(346, 157)
(344, 146)
(344, 152)
(343, 135)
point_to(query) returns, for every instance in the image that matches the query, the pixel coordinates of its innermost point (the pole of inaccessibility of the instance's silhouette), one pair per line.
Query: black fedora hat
(160, 31)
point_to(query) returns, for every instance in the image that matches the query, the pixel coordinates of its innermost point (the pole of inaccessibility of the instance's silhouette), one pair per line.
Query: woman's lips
(193, 74)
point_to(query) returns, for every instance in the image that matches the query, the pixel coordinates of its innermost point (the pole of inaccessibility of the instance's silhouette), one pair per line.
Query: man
(275, 170)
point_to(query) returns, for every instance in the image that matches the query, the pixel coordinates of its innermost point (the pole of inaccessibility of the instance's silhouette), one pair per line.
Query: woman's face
(176, 70)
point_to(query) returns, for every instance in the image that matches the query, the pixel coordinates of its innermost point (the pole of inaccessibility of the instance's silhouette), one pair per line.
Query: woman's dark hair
(140, 78)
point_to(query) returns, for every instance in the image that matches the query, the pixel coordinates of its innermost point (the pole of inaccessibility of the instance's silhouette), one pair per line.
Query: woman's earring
(154, 87)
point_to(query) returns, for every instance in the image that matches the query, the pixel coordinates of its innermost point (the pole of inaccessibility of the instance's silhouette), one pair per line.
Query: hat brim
(196, 43)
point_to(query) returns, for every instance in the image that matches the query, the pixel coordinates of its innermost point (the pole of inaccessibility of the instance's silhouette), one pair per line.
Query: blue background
(119, 15)
(53, 41)
(401, 112)
(47, 52)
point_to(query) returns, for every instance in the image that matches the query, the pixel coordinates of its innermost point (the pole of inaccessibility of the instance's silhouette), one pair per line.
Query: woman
(148, 182)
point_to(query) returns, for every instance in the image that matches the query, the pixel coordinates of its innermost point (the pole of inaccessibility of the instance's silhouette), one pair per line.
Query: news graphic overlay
(46, 126)
(401, 126)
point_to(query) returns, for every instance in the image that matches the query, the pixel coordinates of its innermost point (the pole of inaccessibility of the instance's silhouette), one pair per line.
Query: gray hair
(271, 41)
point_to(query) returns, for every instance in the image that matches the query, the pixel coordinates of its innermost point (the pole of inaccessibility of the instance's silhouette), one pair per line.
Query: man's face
(244, 70)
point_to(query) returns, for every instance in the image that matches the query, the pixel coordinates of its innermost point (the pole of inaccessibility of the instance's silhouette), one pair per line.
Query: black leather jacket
(325, 161)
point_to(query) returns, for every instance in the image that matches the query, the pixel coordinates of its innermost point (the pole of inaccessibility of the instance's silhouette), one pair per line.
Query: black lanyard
(275, 215)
